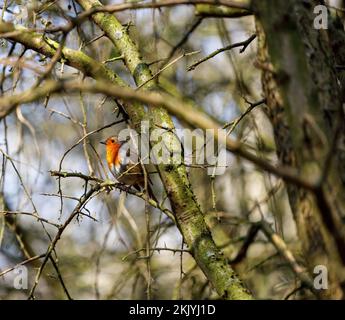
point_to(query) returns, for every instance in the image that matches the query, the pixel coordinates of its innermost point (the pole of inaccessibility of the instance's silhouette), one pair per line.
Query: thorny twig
(244, 44)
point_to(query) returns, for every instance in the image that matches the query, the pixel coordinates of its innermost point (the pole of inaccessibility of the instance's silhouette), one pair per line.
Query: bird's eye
(112, 140)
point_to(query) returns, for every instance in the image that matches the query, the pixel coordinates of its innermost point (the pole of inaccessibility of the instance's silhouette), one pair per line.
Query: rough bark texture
(337, 42)
(304, 105)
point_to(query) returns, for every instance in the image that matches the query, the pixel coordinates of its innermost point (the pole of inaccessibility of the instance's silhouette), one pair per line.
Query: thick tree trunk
(305, 106)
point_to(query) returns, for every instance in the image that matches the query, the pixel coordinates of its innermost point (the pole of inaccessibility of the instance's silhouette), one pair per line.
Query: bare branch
(244, 44)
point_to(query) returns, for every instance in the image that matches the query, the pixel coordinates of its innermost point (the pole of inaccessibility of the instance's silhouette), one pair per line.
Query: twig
(22, 263)
(156, 249)
(283, 250)
(233, 124)
(294, 291)
(244, 44)
(52, 245)
(119, 186)
(132, 5)
(113, 59)
(93, 40)
(184, 38)
(32, 214)
(242, 253)
(166, 67)
(60, 278)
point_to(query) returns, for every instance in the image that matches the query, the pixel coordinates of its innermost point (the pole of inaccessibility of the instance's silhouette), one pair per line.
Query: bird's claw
(125, 188)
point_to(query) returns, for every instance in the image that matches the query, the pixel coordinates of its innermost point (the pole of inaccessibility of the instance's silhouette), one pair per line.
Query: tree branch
(244, 44)
(174, 106)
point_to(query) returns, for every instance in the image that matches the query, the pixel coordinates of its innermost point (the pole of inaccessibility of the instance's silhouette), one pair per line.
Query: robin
(123, 168)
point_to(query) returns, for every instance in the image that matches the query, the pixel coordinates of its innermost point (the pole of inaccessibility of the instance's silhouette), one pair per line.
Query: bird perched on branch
(123, 168)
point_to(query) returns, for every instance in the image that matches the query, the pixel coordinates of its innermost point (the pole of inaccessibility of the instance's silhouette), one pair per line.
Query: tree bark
(304, 105)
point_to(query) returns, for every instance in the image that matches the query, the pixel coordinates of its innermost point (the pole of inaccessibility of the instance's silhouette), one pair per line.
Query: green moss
(208, 10)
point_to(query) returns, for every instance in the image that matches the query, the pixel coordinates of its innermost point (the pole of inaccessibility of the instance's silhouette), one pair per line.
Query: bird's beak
(102, 142)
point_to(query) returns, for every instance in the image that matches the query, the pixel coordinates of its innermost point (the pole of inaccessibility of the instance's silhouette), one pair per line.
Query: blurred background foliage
(100, 255)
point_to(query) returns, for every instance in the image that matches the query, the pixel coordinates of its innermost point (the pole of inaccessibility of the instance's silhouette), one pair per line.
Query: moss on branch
(208, 10)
